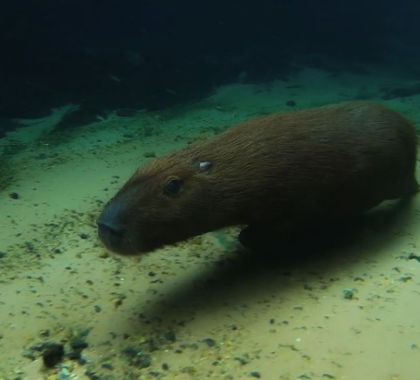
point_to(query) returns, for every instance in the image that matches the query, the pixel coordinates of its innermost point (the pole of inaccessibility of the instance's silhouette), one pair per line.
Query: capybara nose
(111, 235)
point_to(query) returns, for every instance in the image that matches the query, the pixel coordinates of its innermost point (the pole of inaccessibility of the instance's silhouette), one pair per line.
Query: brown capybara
(328, 163)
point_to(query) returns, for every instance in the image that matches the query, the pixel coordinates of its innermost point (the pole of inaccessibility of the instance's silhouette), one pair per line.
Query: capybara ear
(203, 165)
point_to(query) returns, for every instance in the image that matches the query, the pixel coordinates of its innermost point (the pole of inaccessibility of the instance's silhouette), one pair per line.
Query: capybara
(332, 162)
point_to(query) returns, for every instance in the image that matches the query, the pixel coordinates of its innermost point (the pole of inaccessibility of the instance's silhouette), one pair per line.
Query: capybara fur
(327, 163)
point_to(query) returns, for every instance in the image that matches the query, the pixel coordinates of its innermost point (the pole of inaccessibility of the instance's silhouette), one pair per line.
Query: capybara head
(165, 202)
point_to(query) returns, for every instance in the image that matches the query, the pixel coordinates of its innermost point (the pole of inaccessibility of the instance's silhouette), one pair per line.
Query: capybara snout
(111, 230)
(330, 162)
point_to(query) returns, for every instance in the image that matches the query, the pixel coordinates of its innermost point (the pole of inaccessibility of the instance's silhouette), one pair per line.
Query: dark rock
(79, 343)
(413, 256)
(137, 357)
(107, 366)
(170, 336)
(348, 293)
(210, 342)
(53, 354)
(165, 366)
(14, 195)
(74, 355)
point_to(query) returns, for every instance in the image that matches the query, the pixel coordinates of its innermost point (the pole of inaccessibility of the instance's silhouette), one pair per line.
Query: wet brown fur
(329, 162)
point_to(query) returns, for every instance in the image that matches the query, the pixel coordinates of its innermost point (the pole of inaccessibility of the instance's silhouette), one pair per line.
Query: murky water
(206, 308)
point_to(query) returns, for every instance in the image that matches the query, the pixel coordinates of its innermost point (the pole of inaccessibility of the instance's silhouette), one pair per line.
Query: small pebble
(244, 359)
(103, 255)
(170, 336)
(348, 293)
(210, 342)
(64, 373)
(14, 195)
(45, 333)
(255, 374)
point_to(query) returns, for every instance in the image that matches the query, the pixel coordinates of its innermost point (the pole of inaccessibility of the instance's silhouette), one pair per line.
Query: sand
(203, 309)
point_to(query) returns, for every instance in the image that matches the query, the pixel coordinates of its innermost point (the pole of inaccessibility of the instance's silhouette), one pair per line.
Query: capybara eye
(173, 186)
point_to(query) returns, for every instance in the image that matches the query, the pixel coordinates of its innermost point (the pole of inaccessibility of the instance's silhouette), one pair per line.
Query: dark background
(107, 54)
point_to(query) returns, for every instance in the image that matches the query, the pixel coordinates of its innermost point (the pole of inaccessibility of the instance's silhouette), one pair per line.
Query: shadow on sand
(277, 266)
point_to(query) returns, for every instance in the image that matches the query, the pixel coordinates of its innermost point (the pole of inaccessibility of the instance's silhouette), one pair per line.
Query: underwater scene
(209, 190)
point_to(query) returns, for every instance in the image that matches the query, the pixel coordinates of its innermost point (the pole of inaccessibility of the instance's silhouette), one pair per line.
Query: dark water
(106, 55)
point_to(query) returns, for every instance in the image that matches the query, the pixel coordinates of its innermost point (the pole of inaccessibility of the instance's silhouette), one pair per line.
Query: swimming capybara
(327, 163)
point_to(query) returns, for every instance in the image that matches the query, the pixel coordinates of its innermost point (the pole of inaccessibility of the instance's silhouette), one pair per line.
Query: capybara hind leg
(253, 236)
(256, 236)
